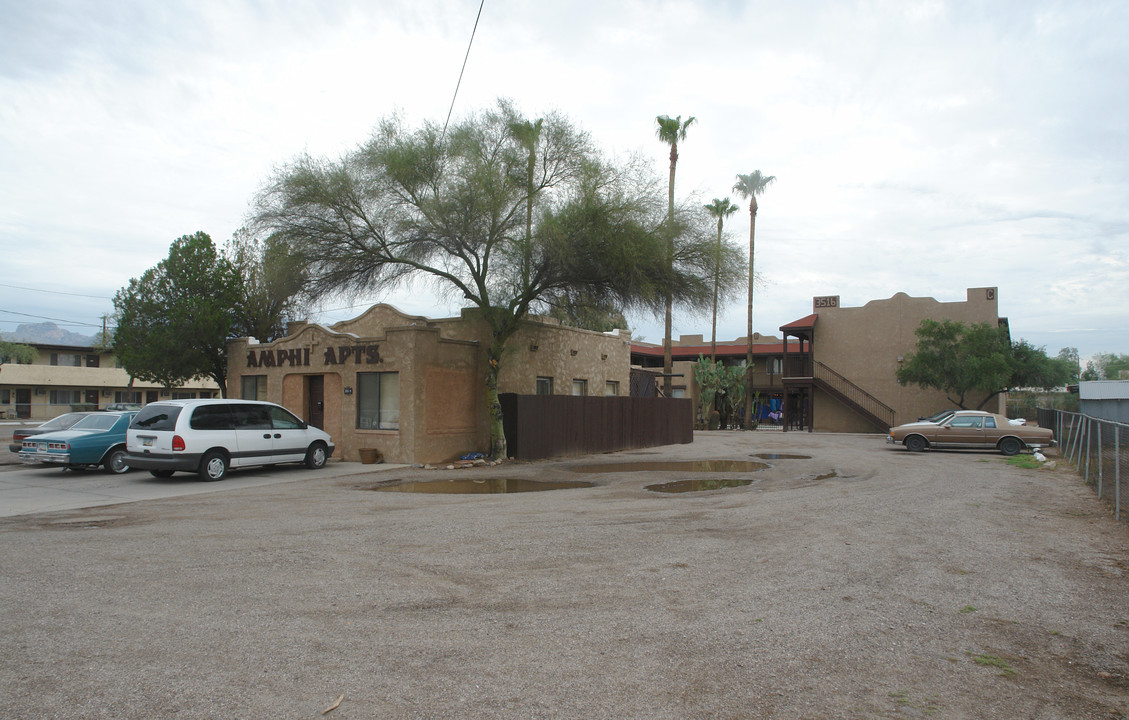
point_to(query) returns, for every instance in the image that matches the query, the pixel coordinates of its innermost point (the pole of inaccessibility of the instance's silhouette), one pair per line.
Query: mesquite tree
(513, 216)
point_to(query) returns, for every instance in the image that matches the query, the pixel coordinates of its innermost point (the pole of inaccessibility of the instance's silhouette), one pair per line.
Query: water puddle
(780, 456)
(484, 486)
(699, 485)
(726, 466)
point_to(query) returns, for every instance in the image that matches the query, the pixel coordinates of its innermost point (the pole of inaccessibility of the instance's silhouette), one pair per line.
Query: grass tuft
(996, 662)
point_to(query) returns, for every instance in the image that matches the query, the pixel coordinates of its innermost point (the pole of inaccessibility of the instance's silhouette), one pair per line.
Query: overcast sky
(919, 147)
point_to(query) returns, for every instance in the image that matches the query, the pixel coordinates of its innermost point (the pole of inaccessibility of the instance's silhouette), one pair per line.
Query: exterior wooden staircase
(846, 392)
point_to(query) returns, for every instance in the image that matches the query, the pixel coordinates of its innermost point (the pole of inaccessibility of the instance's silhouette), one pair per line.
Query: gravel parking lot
(859, 582)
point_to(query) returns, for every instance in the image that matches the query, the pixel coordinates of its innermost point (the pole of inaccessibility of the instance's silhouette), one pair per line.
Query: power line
(54, 292)
(44, 317)
(460, 82)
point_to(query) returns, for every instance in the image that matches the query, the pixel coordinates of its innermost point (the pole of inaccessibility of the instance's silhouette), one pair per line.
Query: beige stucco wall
(866, 345)
(442, 369)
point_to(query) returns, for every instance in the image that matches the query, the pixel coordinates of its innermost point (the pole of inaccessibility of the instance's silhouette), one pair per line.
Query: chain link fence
(1096, 448)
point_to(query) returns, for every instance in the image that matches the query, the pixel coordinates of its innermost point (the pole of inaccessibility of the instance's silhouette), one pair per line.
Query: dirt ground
(861, 582)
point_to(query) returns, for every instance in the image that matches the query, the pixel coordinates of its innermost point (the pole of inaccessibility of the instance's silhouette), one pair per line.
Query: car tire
(915, 443)
(213, 467)
(115, 463)
(316, 456)
(1010, 446)
(161, 473)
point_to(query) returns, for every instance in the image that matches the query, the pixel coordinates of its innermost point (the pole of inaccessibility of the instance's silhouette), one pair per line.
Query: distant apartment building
(64, 378)
(835, 369)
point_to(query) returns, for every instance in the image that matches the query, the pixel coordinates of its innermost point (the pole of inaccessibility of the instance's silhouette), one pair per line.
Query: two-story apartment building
(63, 378)
(835, 369)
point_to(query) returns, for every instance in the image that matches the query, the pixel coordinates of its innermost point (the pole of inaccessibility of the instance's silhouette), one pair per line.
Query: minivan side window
(251, 417)
(156, 417)
(283, 420)
(212, 417)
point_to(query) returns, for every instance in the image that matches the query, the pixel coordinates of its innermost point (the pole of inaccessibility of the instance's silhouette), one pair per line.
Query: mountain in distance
(47, 333)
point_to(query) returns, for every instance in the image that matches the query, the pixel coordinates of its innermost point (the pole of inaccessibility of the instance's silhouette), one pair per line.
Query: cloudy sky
(919, 147)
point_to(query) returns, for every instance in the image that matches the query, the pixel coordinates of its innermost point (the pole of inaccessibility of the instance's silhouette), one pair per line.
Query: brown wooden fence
(541, 426)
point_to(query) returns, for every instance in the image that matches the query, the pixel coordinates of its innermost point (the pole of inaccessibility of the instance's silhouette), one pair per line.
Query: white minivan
(209, 436)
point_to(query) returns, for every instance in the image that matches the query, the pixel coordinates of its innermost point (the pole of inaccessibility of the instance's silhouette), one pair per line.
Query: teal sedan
(97, 439)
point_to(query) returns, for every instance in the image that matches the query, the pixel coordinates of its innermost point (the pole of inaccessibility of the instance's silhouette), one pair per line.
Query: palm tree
(670, 131)
(749, 186)
(527, 135)
(720, 209)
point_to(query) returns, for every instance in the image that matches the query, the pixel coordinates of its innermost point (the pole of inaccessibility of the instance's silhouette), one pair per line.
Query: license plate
(147, 442)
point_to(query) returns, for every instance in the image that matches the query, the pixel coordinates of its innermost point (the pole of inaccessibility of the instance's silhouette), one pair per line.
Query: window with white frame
(378, 401)
(544, 386)
(580, 387)
(611, 388)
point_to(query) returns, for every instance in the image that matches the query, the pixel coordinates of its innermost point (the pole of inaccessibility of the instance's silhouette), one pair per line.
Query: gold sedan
(971, 429)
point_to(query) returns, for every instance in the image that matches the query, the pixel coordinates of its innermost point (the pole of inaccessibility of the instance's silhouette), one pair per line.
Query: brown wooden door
(315, 401)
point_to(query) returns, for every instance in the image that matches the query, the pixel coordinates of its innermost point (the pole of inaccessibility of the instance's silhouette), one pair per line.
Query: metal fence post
(1076, 442)
(1099, 459)
(1117, 471)
(1090, 433)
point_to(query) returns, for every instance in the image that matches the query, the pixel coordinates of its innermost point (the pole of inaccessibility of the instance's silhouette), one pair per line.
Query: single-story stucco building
(413, 388)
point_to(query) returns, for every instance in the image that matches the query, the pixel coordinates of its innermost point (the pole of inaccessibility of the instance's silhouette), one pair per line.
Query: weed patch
(996, 662)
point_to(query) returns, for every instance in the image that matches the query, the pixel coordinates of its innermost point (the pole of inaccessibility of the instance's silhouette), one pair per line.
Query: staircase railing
(867, 402)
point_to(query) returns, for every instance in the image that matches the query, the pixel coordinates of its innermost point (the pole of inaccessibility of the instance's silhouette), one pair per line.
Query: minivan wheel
(213, 467)
(316, 456)
(115, 462)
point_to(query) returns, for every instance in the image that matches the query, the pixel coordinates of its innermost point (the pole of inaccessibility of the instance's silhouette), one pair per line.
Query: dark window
(65, 397)
(91, 361)
(989, 422)
(156, 417)
(212, 417)
(251, 417)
